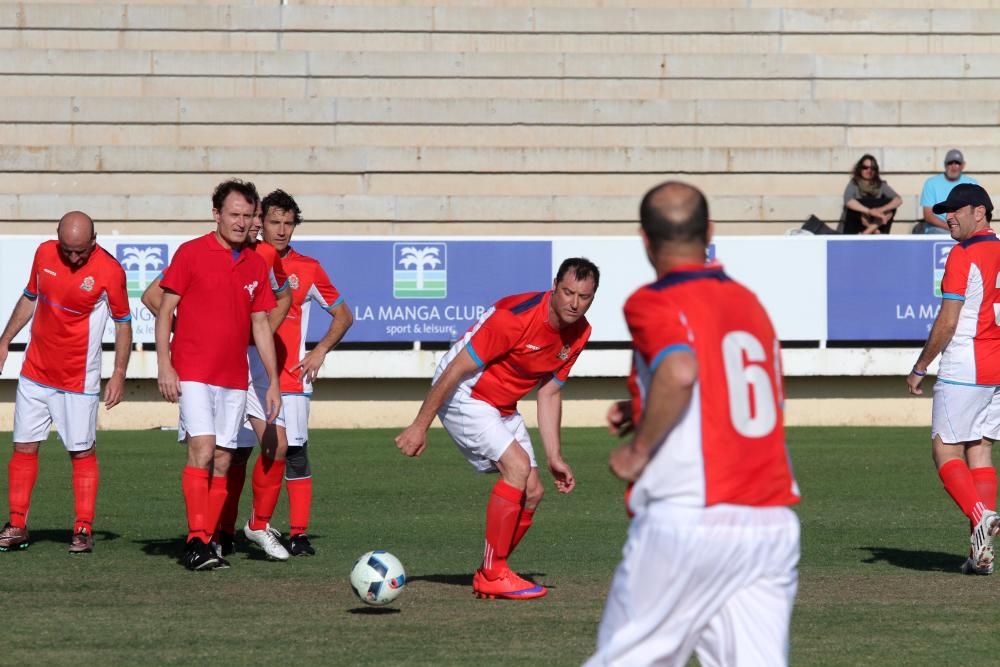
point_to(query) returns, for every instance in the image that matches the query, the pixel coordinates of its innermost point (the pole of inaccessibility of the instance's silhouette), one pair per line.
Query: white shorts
(293, 417)
(210, 410)
(719, 581)
(481, 433)
(36, 407)
(964, 413)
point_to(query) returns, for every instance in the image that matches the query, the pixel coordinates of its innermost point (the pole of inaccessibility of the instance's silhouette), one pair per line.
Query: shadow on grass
(64, 535)
(914, 559)
(373, 611)
(172, 547)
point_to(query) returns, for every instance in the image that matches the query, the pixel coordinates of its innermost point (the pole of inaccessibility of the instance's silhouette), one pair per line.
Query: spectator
(869, 203)
(938, 187)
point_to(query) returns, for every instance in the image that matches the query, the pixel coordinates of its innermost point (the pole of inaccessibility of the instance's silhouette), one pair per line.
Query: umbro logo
(532, 347)
(49, 271)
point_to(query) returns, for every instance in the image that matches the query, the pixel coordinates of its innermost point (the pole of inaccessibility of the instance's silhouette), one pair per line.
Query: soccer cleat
(982, 539)
(199, 556)
(266, 540)
(225, 542)
(300, 546)
(12, 538)
(969, 567)
(217, 549)
(508, 586)
(82, 542)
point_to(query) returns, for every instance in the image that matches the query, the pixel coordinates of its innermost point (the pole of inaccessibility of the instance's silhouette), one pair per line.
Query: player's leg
(268, 473)
(298, 473)
(197, 403)
(75, 416)
(533, 491)
(32, 422)
(230, 409)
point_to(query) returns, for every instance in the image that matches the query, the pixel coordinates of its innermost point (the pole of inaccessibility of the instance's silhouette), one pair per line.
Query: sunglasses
(866, 167)
(952, 162)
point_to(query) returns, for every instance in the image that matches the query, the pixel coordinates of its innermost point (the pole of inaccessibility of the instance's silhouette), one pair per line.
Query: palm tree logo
(420, 271)
(137, 262)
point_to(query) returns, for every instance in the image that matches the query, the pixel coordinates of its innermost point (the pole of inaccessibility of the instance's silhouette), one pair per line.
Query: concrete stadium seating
(485, 116)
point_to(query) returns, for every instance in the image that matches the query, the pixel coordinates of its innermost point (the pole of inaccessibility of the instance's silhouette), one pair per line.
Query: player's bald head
(75, 229)
(674, 212)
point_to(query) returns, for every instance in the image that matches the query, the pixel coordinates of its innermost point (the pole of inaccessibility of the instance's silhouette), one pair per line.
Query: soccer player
(219, 289)
(965, 413)
(284, 444)
(710, 561)
(74, 284)
(522, 342)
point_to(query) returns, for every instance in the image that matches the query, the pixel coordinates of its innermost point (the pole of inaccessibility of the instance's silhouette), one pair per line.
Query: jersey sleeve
(495, 337)
(118, 294)
(656, 331)
(31, 289)
(323, 292)
(177, 275)
(263, 299)
(956, 274)
(562, 374)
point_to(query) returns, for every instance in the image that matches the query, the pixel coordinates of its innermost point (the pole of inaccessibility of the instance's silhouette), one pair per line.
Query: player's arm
(313, 360)
(115, 388)
(413, 440)
(277, 314)
(549, 401)
(941, 332)
(263, 338)
(153, 296)
(23, 310)
(170, 387)
(669, 395)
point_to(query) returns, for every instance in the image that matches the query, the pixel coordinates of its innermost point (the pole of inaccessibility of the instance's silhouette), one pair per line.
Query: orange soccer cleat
(507, 586)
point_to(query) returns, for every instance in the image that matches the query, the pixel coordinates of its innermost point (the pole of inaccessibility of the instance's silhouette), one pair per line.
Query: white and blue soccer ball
(378, 578)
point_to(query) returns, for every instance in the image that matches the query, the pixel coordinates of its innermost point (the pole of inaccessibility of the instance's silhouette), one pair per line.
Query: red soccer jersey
(270, 256)
(729, 446)
(219, 288)
(970, 276)
(309, 284)
(70, 314)
(516, 349)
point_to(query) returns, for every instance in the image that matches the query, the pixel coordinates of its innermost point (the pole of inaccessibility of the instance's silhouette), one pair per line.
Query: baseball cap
(954, 155)
(964, 194)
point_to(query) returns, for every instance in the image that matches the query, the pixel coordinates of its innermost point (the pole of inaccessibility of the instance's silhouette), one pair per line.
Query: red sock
(234, 486)
(985, 480)
(523, 524)
(300, 492)
(502, 513)
(194, 486)
(267, 476)
(85, 482)
(22, 471)
(217, 494)
(958, 483)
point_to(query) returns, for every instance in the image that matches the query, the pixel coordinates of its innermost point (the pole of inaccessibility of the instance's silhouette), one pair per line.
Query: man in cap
(965, 417)
(937, 188)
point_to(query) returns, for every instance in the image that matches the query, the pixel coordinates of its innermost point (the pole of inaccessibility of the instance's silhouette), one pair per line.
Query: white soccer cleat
(266, 540)
(982, 540)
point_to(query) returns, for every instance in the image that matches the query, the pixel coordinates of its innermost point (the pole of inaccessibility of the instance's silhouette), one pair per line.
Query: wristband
(918, 373)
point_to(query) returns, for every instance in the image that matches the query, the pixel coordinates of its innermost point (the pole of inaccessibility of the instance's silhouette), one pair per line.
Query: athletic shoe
(508, 586)
(217, 549)
(12, 539)
(225, 542)
(82, 542)
(969, 567)
(300, 546)
(982, 539)
(199, 556)
(266, 540)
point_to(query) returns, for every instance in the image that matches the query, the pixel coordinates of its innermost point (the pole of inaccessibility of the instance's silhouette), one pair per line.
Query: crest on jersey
(420, 270)
(941, 251)
(564, 352)
(250, 288)
(293, 281)
(88, 283)
(142, 262)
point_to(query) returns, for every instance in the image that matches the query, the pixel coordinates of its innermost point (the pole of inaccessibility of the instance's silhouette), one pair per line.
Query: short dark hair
(225, 188)
(582, 269)
(282, 201)
(674, 211)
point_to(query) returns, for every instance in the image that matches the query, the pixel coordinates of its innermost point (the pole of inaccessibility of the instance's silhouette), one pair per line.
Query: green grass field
(879, 582)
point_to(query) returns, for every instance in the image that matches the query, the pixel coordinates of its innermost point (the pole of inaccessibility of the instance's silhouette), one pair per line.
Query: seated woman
(869, 203)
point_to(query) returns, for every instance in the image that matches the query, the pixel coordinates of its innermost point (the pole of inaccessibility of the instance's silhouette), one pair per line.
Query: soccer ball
(378, 578)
